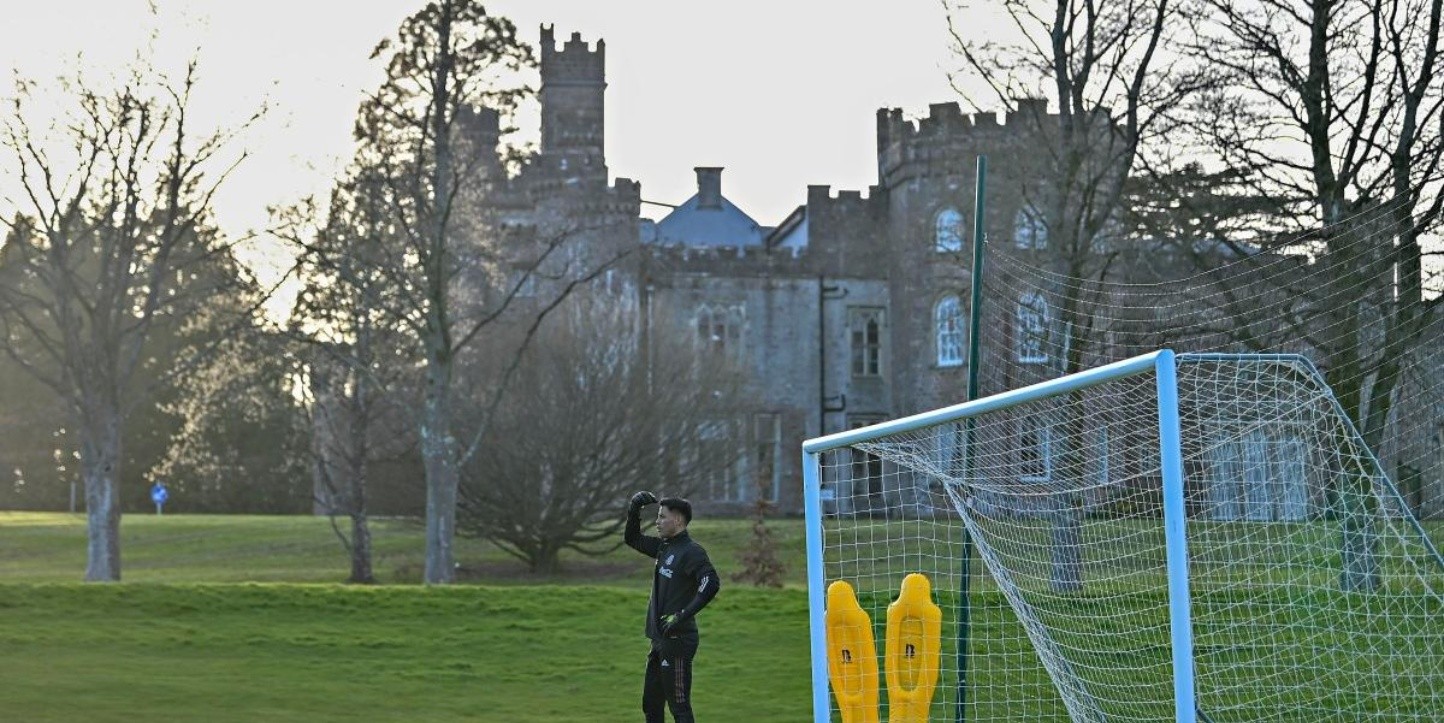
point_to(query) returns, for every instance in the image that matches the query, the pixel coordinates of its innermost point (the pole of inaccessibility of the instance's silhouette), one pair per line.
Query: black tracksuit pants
(669, 679)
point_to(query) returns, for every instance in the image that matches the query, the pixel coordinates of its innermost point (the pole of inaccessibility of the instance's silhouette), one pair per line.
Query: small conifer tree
(760, 565)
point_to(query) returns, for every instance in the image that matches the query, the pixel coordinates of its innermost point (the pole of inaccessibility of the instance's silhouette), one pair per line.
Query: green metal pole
(974, 324)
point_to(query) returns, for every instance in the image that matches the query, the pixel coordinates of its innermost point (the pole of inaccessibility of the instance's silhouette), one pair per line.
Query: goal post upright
(816, 588)
(1175, 515)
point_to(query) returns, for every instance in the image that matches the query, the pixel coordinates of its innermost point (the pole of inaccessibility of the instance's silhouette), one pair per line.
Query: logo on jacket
(670, 558)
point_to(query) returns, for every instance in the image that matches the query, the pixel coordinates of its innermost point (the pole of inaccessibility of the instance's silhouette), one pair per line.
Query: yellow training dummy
(851, 655)
(914, 640)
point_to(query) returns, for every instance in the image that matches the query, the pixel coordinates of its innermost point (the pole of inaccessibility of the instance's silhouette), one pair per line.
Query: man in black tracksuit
(683, 583)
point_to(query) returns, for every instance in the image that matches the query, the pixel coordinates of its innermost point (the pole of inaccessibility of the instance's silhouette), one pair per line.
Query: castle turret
(573, 84)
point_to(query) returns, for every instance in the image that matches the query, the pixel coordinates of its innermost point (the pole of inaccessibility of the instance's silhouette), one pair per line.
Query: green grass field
(243, 619)
(248, 652)
(225, 618)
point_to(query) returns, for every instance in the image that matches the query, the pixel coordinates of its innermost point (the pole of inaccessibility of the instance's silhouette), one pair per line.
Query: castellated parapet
(946, 130)
(734, 261)
(623, 196)
(847, 231)
(946, 120)
(822, 200)
(575, 62)
(480, 123)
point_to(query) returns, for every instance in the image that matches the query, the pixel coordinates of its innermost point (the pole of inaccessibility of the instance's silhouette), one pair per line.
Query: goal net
(1167, 538)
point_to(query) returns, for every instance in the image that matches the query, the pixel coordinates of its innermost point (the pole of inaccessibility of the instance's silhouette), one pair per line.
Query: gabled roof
(791, 233)
(691, 224)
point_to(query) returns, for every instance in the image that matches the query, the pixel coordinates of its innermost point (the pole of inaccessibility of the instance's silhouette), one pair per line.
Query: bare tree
(1218, 238)
(1099, 63)
(357, 418)
(112, 218)
(352, 351)
(447, 60)
(1337, 105)
(760, 565)
(595, 410)
(436, 172)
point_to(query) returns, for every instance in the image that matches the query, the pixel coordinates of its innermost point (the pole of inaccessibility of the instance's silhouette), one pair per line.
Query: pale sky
(782, 93)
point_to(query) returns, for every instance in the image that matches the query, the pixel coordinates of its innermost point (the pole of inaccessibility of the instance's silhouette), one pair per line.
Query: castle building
(851, 310)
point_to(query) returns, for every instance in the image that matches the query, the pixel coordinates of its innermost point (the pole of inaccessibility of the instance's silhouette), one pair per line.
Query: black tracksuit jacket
(684, 580)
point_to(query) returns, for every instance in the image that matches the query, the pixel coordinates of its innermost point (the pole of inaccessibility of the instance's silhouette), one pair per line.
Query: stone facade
(834, 312)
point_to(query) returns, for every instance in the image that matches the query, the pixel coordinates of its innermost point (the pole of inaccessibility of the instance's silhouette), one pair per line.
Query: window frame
(1041, 448)
(1030, 229)
(720, 436)
(949, 235)
(720, 329)
(869, 464)
(865, 354)
(942, 335)
(767, 449)
(1030, 330)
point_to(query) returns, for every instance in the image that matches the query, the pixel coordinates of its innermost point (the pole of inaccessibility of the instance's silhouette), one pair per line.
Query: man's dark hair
(677, 504)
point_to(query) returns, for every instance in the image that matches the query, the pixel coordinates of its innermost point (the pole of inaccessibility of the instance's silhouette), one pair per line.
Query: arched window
(719, 330)
(1030, 335)
(948, 329)
(1030, 229)
(948, 236)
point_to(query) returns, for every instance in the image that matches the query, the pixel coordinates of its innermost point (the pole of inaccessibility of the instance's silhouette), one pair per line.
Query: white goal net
(1238, 556)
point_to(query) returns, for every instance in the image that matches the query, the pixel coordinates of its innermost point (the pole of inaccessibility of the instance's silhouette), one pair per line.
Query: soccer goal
(1195, 538)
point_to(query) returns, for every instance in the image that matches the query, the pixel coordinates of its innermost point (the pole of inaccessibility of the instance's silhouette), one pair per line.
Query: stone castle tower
(573, 106)
(564, 193)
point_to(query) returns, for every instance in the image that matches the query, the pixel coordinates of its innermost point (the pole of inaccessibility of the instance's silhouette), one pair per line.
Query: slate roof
(692, 225)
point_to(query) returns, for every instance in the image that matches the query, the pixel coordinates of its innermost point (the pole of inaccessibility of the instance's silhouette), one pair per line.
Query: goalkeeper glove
(669, 624)
(640, 500)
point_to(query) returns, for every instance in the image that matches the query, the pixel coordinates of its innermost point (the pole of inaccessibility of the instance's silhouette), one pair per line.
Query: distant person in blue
(683, 582)
(159, 495)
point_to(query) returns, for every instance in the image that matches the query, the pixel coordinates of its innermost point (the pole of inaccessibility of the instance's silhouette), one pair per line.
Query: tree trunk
(100, 449)
(360, 469)
(438, 446)
(546, 560)
(1359, 544)
(1067, 543)
(1402, 332)
(361, 550)
(438, 451)
(1067, 575)
(1360, 572)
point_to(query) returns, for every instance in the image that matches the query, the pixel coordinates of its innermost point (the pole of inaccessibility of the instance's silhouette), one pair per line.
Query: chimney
(709, 187)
